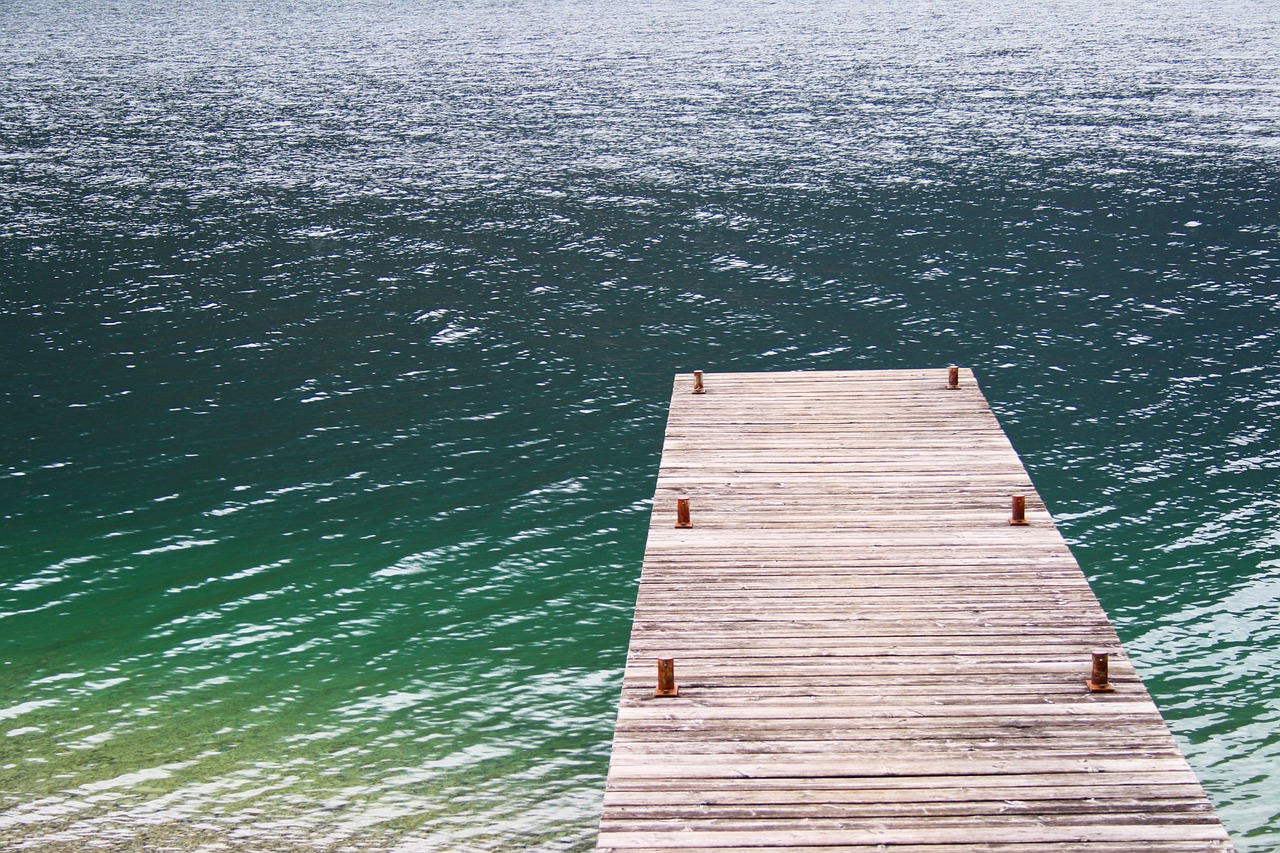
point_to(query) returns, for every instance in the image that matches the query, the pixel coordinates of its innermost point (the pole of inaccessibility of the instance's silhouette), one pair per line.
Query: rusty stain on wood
(872, 658)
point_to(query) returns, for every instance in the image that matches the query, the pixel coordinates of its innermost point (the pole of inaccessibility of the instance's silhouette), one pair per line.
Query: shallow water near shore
(338, 341)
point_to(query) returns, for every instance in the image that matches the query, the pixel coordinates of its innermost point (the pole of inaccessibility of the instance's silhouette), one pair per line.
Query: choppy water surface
(338, 337)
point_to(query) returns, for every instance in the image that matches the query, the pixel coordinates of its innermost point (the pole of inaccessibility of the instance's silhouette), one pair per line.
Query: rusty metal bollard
(682, 513)
(697, 383)
(953, 378)
(1019, 510)
(667, 678)
(1099, 680)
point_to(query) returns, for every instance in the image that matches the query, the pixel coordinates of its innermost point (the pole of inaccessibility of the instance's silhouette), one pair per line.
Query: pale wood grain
(870, 656)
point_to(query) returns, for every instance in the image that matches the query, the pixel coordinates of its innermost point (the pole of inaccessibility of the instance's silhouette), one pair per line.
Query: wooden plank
(886, 788)
(925, 790)
(870, 656)
(1074, 847)
(925, 832)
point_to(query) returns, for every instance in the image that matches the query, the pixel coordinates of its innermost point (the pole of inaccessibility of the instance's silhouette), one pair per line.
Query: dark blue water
(337, 340)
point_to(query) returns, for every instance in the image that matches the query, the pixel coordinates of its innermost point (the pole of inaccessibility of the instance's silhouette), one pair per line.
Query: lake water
(338, 338)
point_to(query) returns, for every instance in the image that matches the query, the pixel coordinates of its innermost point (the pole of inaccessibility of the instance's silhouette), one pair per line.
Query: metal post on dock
(667, 678)
(1100, 679)
(682, 513)
(1019, 516)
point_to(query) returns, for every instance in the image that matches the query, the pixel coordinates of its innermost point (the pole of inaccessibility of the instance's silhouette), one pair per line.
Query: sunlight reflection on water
(342, 339)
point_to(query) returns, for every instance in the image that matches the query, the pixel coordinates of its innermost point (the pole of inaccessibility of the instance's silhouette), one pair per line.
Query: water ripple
(339, 341)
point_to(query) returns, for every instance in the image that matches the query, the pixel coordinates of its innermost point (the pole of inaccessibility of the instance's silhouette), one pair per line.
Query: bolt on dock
(858, 629)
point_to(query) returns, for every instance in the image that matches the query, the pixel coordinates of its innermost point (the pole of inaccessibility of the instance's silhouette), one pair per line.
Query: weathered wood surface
(870, 657)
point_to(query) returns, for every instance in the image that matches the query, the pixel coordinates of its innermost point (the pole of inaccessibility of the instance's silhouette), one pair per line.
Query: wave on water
(338, 339)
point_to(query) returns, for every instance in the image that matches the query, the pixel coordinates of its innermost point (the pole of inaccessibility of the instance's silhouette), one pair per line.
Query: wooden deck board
(870, 657)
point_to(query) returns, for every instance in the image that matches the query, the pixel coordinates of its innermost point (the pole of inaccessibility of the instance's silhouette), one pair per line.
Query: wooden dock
(869, 655)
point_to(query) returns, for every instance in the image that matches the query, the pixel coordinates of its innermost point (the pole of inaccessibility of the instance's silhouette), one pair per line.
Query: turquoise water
(338, 338)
